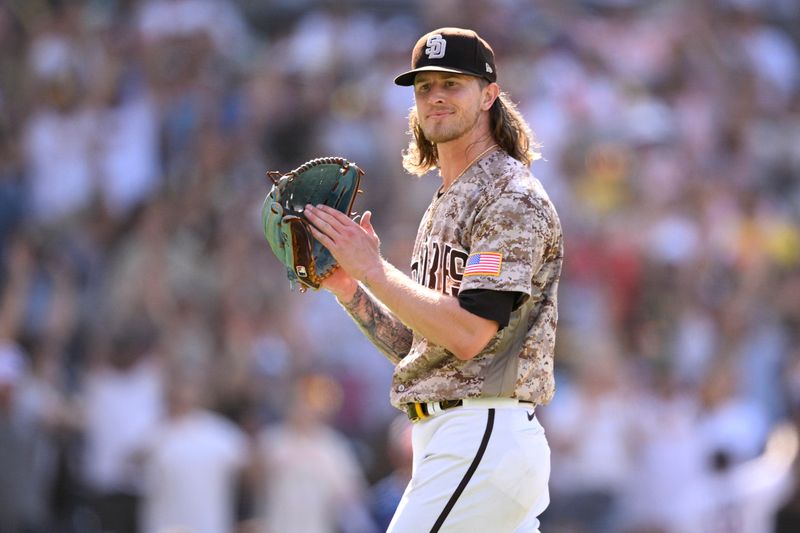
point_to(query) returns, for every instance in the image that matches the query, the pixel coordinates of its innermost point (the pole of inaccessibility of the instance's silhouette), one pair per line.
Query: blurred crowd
(157, 374)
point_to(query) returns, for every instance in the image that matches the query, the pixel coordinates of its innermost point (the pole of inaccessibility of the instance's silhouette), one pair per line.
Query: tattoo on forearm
(385, 330)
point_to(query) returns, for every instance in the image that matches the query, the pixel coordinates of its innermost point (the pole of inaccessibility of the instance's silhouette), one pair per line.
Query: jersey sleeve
(508, 242)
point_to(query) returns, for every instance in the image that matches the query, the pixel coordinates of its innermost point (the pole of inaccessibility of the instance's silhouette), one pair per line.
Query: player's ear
(490, 94)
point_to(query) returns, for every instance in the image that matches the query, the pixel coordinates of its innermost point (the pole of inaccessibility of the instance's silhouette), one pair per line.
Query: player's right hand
(354, 244)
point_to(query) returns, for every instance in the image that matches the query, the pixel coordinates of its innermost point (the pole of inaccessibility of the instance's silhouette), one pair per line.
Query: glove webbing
(275, 176)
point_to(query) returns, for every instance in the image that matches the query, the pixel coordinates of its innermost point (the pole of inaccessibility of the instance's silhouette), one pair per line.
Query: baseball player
(472, 330)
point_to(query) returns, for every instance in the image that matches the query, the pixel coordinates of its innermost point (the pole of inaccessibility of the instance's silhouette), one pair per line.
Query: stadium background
(153, 362)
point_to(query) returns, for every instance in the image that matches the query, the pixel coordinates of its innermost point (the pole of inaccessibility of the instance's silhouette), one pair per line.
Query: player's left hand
(354, 245)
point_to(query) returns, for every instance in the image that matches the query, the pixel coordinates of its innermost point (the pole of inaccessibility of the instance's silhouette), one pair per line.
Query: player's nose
(436, 95)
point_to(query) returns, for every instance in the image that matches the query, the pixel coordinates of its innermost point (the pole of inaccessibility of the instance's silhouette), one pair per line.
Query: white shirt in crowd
(122, 408)
(191, 469)
(312, 478)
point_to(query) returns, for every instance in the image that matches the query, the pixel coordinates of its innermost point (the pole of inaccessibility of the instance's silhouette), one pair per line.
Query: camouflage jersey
(494, 228)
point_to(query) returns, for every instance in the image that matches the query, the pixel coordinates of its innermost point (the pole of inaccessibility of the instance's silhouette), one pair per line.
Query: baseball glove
(332, 181)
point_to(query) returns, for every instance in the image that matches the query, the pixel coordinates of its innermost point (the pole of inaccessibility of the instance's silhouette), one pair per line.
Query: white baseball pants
(477, 468)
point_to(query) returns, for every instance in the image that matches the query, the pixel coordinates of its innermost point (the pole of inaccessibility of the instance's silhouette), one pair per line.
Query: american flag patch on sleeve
(483, 264)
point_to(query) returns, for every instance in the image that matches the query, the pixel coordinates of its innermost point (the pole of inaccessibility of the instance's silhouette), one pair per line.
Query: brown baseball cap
(451, 50)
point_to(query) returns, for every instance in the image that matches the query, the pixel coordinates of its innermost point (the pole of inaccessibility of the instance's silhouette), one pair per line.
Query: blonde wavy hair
(509, 129)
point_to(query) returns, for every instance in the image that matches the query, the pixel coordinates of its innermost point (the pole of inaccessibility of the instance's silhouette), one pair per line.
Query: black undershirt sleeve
(490, 304)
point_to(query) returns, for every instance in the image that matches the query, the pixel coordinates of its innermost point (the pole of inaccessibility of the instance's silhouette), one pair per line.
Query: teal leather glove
(332, 181)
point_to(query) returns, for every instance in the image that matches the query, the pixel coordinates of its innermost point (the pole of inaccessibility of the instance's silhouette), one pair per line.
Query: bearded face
(448, 105)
